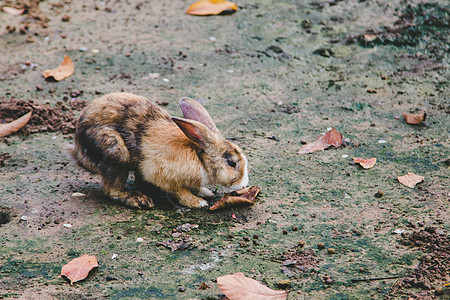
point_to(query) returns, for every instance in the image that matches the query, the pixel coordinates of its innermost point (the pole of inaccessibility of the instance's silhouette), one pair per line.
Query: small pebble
(109, 278)
(284, 283)
(246, 238)
(285, 231)
(301, 243)
(294, 228)
(166, 79)
(83, 49)
(398, 231)
(379, 194)
(67, 225)
(181, 289)
(321, 245)
(95, 51)
(212, 38)
(114, 256)
(295, 214)
(329, 281)
(65, 18)
(344, 156)
(24, 218)
(255, 236)
(139, 240)
(381, 141)
(331, 251)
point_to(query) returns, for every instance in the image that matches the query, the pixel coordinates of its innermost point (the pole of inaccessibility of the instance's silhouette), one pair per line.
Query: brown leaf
(210, 7)
(241, 197)
(79, 268)
(369, 37)
(410, 179)
(13, 11)
(414, 118)
(365, 163)
(11, 127)
(65, 69)
(238, 287)
(331, 138)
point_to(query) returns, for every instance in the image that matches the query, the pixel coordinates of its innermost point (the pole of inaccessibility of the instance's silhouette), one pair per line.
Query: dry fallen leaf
(369, 37)
(410, 179)
(365, 163)
(210, 7)
(65, 69)
(241, 197)
(414, 118)
(79, 268)
(11, 127)
(13, 11)
(238, 287)
(331, 138)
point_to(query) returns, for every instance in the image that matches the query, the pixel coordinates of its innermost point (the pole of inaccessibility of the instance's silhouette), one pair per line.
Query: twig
(377, 278)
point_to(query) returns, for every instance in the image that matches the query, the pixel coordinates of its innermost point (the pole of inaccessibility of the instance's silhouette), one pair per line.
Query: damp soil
(274, 76)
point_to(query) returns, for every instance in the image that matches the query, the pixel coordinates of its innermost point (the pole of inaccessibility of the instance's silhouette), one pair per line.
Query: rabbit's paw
(204, 192)
(186, 198)
(134, 199)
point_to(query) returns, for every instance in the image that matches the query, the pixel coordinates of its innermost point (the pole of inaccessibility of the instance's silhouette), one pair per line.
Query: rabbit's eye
(231, 163)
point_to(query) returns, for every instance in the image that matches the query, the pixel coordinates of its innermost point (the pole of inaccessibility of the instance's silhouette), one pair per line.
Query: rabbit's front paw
(204, 192)
(186, 198)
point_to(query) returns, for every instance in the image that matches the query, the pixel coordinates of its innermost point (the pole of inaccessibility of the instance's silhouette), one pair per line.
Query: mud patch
(5, 215)
(434, 266)
(45, 118)
(426, 23)
(297, 262)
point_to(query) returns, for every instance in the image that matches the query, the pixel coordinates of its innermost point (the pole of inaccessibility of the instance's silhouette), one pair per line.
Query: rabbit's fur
(122, 132)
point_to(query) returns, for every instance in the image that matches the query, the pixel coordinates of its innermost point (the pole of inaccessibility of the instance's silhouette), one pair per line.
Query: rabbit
(123, 132)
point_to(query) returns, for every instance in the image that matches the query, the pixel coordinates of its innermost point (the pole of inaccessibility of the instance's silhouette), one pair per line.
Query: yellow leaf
(210, 7)
(410, 179)
(237, 287)
(365, 163)
(65, 69)
(331, 138)
(13, 11)
(11, 127)
(79, 268)
(414, 118)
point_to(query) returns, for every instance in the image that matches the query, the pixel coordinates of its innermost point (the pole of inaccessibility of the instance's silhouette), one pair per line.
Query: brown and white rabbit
(122, 132)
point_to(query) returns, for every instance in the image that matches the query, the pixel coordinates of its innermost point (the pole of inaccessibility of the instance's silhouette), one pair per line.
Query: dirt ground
(274, 76)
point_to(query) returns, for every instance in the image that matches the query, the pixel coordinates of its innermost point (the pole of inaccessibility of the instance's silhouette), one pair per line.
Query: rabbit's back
(110, 130)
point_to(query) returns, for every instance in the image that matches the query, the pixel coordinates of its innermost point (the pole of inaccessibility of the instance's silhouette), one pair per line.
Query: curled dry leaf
(410, 179)
(13, 11)
(65, 69)
(237, 287)
(369, 37)
(79, 268)
(331, 138)
(11, 127)
(414, 118)
(365, 163)
(241, 197)
(210, 7)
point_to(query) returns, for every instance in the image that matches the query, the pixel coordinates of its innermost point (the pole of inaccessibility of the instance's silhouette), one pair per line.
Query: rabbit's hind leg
(113, 185)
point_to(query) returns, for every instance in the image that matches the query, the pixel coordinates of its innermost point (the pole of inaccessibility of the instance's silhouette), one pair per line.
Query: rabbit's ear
(196, 132)
(193, 110)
